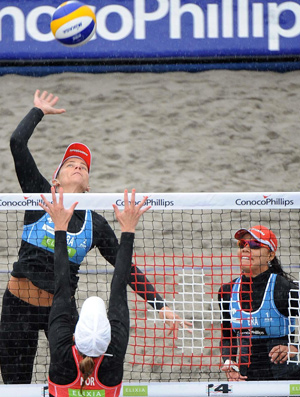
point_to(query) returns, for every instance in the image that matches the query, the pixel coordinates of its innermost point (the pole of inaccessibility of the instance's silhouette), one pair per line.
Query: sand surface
(173, 132)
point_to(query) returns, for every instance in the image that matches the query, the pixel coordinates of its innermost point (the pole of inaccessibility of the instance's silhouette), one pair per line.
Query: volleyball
(73, 23)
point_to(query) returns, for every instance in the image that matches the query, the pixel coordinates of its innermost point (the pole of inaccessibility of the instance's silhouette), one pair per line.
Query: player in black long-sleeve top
(94, 334)
(255, 313)
(29, 294)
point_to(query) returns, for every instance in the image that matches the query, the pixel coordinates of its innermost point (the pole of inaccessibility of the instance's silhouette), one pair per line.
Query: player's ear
(88, 189)
(271, 255)
(55, 183)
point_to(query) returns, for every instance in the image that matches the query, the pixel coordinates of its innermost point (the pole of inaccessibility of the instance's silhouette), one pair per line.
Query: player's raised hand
(129, 217)
(46, 102)
(59, 214)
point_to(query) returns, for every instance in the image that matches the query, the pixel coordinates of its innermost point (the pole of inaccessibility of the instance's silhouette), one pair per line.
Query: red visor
(78, 150)
(261, 234)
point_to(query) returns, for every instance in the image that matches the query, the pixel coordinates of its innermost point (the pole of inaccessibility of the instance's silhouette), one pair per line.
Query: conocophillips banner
(156, 29)
(160, 201)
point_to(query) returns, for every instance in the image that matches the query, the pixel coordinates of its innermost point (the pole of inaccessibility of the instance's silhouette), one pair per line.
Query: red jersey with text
(92, 387)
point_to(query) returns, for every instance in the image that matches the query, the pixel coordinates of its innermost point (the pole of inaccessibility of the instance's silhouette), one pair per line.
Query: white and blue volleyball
(73, 23)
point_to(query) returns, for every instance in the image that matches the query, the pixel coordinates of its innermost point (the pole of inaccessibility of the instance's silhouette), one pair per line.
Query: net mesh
(187, 254)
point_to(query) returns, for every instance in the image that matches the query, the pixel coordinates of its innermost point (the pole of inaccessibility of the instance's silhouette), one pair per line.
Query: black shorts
(19, 331)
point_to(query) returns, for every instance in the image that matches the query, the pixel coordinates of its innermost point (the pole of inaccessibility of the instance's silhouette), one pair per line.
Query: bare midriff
(28, 292)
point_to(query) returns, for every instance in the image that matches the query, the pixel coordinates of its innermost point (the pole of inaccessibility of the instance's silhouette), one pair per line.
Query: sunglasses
(252, 244)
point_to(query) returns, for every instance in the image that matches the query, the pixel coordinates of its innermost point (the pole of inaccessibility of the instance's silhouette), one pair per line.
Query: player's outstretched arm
(128, 220)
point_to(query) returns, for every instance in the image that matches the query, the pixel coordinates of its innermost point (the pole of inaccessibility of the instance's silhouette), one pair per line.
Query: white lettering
(126, 23)
(70, 240)
(275, 30)
(18, 21)
(212, 21)
(258, 20)
(141, 16)
(215, 19)
(227, 18)
(90, 381)
(32, 25)
(176, 10)
(243, 18)
(253, 322)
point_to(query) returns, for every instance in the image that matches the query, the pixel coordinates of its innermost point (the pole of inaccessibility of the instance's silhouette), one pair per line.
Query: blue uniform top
(41, 234)
(266, 321)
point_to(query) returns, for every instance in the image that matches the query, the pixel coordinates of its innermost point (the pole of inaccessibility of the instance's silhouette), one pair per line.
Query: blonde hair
(86, 367)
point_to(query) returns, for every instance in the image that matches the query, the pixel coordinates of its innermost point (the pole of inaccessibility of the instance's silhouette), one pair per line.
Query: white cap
(93, 332)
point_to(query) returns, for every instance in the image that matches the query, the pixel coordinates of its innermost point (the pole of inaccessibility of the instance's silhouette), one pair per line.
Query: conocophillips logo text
(154, 203)
(27, 202)
(266, 200)
(212, 20)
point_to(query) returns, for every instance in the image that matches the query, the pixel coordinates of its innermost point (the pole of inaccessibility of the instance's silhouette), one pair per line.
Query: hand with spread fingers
(46, 102)
(174, 321)
(59, 214)
(131, 214)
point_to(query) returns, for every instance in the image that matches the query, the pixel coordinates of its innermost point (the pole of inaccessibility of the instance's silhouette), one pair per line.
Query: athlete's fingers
(142, 202)
(61, 196)
(54, 100)
(279, 353)
(73, 206)
(53, 194)
(43, 206)
(36, 94)
(116, 209)
(132, 202)
(50, 97)
(44, 95)
(126, 199)
(143, 210)
(46, 202)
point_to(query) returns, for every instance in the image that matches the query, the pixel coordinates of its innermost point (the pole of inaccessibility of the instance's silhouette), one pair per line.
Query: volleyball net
(185, 246)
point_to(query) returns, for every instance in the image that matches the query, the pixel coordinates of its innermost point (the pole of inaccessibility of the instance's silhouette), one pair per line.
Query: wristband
(232, 365)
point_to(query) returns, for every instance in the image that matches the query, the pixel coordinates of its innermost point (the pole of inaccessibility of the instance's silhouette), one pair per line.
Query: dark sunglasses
(252, 244)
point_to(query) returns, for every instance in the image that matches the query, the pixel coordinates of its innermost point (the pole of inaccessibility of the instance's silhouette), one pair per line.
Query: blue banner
(154, 29)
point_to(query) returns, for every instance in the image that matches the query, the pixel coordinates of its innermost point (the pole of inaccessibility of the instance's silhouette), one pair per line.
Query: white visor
(93, 332)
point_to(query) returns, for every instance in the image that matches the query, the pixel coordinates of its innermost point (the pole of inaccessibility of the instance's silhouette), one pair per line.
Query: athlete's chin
(246, 269)
(78, 183)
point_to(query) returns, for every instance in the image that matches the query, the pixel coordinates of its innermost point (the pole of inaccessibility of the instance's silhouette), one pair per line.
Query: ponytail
(86, 367)
(275, 267)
